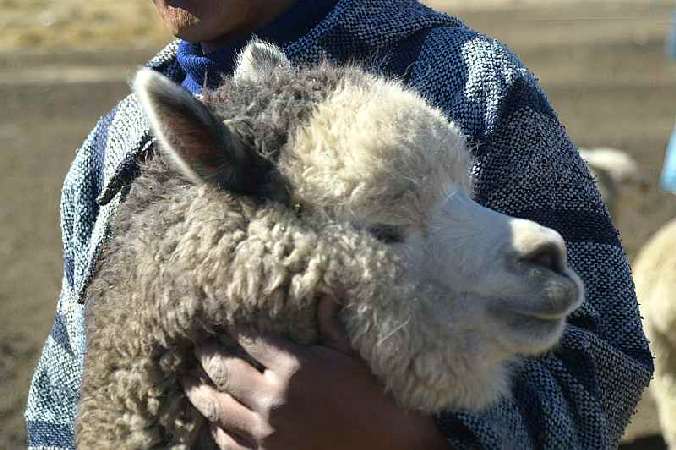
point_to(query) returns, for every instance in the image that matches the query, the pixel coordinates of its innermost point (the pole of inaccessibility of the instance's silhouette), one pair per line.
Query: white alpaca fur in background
(655, 279)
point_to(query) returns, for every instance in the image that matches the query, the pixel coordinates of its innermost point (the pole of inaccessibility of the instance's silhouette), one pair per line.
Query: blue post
(671, 39)
(668, 180)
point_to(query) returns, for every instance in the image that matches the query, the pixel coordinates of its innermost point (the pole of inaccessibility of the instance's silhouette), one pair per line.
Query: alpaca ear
(259, 59)
(195, 141)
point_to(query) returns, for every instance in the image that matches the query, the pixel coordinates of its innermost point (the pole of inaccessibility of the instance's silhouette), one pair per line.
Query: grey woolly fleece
(179, 251)
(189, 260)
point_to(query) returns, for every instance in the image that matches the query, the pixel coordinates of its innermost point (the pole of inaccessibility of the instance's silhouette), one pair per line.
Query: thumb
(331, 331)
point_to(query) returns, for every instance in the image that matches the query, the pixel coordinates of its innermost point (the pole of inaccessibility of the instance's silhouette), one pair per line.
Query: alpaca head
(342, 146)
(618, 179)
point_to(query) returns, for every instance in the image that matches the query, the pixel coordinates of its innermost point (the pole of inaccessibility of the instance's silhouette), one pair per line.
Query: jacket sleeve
(54, 392)
(582, 394)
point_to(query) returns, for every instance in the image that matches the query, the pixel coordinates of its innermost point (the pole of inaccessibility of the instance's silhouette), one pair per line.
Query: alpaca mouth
(549, 309)
(514, 316)
(533, 321)
(544, 316)
(527, 334)
(535, 318)
(536, 328)
(552, 301)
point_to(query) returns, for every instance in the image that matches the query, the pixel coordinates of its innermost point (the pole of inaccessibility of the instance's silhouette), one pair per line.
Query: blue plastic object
(668, 180)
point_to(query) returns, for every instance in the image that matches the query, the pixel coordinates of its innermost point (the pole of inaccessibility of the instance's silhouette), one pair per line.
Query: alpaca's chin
(527, 334)
(473, 393)
(537, 335)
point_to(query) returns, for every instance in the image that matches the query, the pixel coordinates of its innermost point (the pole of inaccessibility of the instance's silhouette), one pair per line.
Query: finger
(235, 376)
(224, 441)
(274, 353)
(219, 408)
(331, 331)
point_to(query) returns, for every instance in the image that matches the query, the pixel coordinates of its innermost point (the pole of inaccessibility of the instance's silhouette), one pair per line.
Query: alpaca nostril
(548, 255)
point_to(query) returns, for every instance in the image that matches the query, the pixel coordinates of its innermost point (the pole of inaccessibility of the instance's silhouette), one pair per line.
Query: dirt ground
(602, 64)
(90, 24)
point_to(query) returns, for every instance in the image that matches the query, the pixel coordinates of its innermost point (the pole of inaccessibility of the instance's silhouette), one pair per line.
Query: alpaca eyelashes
(388, 234)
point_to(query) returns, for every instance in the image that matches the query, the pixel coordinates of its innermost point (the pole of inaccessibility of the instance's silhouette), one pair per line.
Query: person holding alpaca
(580, 395)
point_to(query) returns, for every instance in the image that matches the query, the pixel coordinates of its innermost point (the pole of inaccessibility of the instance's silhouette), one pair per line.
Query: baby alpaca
(287, 184)
(655, 278)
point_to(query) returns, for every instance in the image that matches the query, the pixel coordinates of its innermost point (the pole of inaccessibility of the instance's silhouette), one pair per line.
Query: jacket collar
(128, 132)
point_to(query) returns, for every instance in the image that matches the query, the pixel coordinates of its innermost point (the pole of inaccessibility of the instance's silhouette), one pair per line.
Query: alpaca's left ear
(196, 142)
(259, 59)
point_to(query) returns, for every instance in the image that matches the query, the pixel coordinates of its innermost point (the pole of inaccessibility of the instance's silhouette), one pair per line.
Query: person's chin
(183, 24)
(197, 32)
(193, 33)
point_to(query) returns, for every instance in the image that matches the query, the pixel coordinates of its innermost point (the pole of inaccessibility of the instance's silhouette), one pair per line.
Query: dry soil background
(78, 24)
(65, 62)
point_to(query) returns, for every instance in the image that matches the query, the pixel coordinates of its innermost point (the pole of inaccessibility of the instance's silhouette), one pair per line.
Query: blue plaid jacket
(579, 396)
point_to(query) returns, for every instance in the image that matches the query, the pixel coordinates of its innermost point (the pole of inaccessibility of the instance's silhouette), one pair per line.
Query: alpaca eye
(388, 234)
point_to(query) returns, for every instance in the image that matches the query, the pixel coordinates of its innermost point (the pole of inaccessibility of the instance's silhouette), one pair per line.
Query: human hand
(319, 397)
